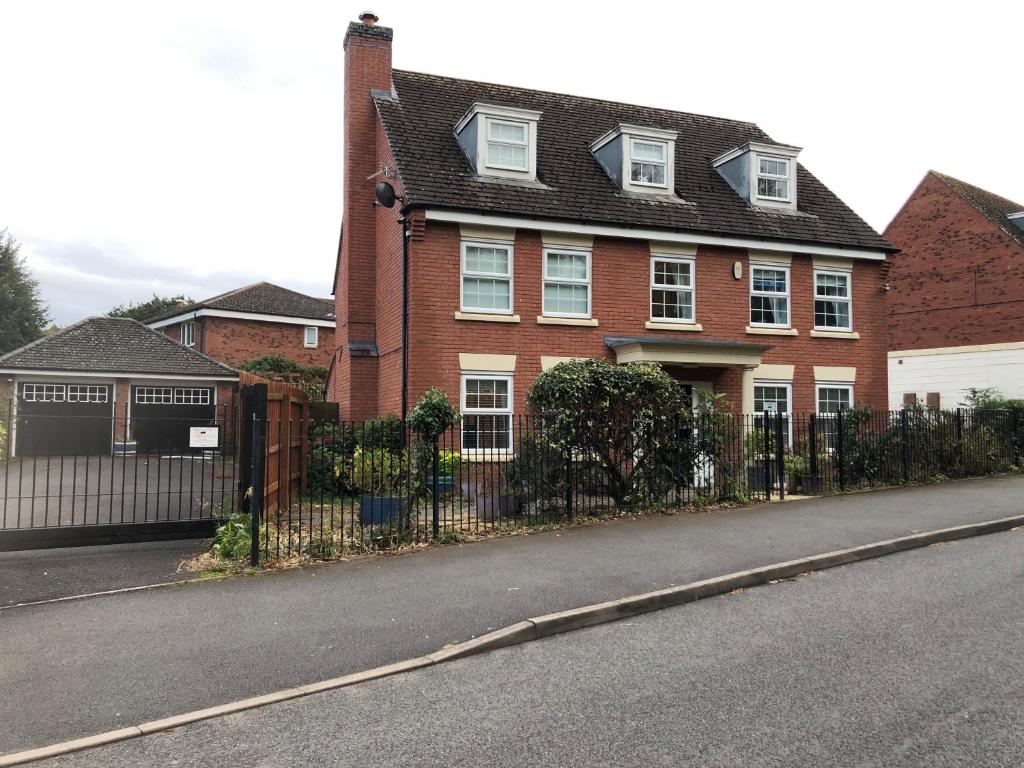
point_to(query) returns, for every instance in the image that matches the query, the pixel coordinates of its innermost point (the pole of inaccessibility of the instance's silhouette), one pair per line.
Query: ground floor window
(486, 412)
(833, 398)
(774, 397)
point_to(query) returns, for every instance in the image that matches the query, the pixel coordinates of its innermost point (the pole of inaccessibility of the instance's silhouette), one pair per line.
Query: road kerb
(540, 627)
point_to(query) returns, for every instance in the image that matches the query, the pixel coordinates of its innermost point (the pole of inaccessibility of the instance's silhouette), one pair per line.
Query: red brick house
(253, 321)
(956, 304)
(542, 227)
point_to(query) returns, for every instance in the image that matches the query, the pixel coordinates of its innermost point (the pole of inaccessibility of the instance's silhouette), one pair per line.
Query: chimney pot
(368, 18)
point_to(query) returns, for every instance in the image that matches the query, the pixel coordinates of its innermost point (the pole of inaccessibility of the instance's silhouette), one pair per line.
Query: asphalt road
(44, 574)
(88, 666)
(910, 660)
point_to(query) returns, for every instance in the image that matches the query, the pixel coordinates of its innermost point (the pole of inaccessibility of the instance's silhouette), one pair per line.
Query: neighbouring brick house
(108, 382)
(543, 227)
(956, 304)
(253, 321)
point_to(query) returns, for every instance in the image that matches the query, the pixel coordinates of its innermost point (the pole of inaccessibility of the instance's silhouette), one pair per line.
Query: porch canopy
(697, 352)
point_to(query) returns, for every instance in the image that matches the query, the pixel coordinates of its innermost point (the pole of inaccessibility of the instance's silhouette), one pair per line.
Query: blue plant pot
(379, 510)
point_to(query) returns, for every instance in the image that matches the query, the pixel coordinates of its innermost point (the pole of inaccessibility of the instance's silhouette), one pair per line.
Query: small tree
(145, 310)
(626, 417)
(22, 313)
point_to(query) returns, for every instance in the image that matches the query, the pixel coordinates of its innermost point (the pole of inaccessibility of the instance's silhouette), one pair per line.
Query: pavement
(46, 574)
(909, 660)
(124, 659)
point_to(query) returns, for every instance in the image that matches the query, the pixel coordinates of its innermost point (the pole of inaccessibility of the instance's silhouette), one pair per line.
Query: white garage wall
(950, 371)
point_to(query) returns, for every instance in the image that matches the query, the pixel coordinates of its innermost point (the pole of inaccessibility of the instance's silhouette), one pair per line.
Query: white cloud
(196, 146)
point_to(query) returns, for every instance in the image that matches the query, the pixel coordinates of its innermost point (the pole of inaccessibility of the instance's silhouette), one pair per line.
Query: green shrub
(383, 433)
(538, 469)
(232, 539)
(433, 415)
(379, 472)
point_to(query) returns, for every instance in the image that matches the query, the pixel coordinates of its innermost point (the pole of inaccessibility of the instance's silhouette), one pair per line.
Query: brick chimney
(367, 68)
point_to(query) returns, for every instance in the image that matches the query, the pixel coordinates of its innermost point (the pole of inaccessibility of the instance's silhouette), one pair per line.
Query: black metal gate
(57, 419)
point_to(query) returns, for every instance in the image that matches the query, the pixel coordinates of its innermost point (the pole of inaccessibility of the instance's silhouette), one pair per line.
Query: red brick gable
(959, 278)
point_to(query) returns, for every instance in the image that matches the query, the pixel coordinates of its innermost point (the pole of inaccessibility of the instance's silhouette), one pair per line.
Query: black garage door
(64, 419)
(162, 416)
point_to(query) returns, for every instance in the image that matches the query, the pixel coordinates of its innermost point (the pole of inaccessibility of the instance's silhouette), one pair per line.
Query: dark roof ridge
(593, 99)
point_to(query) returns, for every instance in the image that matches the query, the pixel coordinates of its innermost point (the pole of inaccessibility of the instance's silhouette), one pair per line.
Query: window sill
(586, 322)
(485, 317)
(851, 335)
(487, 456)
(752, 330)
(654, 325)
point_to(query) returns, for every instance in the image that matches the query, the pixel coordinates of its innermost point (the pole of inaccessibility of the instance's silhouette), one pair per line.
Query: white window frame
(48, 391)
(316, 337)
(820, 385)
(464, 411)
(788, 178)
(773, 294)
(848, 274)
(664, 162)
(146, 395)
(788, 386)
(88, 393)
(188, 333)
(464, 273)
(692, 288)
(545, 280)
(195, 396)
(525, 144)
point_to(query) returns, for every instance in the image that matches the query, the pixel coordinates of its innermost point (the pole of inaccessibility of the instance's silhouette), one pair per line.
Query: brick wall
(234, 341)
(959, 279)
(620, 301)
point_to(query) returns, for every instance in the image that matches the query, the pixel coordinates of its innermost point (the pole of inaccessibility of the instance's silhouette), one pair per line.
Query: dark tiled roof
(992, 207)
(261, 299)
(434, 171)
(115, 345)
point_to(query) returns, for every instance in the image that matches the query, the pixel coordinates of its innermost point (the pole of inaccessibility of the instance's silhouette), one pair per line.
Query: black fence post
(435, 482)
(1015, 441)
(780, 456)
(570, 508)
(904, 446)
(767, 421)
(258, 454)
(812, 448)
(840, 439)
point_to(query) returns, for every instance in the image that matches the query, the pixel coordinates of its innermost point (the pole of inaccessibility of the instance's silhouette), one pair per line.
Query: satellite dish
(385, 194)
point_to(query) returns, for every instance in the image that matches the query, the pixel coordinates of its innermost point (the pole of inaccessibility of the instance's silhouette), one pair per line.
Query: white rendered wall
(950, 371)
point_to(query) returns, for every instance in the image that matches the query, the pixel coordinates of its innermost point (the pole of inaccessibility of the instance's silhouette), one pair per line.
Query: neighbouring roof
(114, 345)
(993, 207)
(260, 299)
(419, 122)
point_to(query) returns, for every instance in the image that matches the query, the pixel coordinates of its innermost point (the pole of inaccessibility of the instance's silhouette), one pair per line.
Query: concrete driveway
(91, 490)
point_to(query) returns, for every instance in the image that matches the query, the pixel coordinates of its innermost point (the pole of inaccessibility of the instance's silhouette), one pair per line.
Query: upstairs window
(769, 296)
(508, 145)
(672, 290)
(487, 277)
(188, 333)
(773, 178)
(647, 162)
(832, 304)
(566, 283)
(311, 336)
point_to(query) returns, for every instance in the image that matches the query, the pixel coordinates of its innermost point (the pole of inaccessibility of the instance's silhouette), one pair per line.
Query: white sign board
(770, 407)
(203, 437)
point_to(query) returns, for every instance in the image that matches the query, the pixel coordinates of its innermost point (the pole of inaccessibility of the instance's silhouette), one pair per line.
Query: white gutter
(185, 316)
(693, 238)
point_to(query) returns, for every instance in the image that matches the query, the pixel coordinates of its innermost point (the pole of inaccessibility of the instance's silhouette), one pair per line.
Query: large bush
(626, 418)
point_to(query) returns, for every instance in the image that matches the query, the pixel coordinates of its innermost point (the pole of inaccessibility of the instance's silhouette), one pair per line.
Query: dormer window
(773, 178)
(638, 159)
(762, 174)
(508, 145)
(500, 141)
(647, 162)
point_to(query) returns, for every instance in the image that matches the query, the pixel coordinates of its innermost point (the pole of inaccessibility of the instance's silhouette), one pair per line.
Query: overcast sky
(194, 147)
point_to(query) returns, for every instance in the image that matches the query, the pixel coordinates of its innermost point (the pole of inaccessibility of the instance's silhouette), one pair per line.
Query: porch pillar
(747, 389)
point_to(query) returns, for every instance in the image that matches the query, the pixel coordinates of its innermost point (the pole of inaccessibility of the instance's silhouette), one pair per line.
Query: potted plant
(378, 475)
(758, 472)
